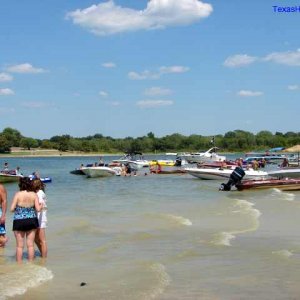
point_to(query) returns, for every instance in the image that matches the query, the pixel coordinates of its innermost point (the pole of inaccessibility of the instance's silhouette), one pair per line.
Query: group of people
(29, 206)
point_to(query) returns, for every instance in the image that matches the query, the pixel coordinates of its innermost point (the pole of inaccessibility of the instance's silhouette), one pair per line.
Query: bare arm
(14, 202)
(3, 199)
(37, 205)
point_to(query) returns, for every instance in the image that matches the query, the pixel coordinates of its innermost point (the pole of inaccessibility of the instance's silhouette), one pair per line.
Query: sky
(129, 67)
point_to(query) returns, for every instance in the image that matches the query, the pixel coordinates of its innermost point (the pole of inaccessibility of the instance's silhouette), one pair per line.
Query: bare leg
(30, 235)
(40, 240)
(19, 235)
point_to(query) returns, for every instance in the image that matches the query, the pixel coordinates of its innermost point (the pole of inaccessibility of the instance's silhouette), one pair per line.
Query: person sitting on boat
(285, 163)
(17, 171)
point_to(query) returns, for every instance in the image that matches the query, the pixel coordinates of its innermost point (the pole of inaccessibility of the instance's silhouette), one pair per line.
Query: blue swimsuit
(25, 219)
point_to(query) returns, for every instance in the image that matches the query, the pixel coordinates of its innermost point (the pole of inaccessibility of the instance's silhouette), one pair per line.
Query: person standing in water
(25, 205)
(40, 237)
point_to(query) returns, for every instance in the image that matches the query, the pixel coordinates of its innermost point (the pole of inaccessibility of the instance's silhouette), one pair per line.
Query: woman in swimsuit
(25, 204)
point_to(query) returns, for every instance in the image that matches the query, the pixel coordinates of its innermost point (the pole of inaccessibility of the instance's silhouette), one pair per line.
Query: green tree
(29, 143)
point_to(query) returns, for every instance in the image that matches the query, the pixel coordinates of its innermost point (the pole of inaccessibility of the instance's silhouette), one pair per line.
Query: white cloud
(247, 93)
(157, 91)
(109, 65)
(103, 94)
(24, 68)
(293, 87)
(239, 60)
(5, 77)
(156, 75)
(289, 58)
(143, 75)
(154, 103)
(6, 92)
(108, 18)
(173, 69)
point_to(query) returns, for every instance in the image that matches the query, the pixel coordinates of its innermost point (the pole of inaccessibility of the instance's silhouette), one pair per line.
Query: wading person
(25, 205)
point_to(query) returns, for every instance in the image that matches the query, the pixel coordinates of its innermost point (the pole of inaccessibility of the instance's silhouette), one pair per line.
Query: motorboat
(286, 172)
(132, 159)
(223, 173)
(199, 157)
(287, 184)
(6, 177)
(92, 172)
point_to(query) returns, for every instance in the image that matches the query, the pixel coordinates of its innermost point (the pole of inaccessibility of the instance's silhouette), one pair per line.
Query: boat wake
(18, 279)
(243, 208)
(284, 195)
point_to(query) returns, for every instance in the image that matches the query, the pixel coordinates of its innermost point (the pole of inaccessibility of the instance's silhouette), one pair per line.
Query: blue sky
(125, 68)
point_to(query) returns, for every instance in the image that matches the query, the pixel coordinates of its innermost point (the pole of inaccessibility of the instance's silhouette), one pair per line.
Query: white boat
(288, 172)
(99, 171)
(5, 177)
(132, 160)
(199, 157)
(219, 174)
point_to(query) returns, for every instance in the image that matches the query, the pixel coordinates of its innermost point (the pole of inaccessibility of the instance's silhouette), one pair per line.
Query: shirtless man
(3, 206)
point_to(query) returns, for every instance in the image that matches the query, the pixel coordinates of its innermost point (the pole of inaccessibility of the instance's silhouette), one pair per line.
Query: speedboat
(221, 173)
(287, 172)
(6, 177)
(288, 184)
(132, 160)
(99, 171)
(200, 157)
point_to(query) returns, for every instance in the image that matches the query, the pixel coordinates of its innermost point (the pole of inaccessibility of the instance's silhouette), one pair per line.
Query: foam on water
(242, 207)
(283, 195)
(283, 253)
(178, 219)
(18, 279)
(163, 280)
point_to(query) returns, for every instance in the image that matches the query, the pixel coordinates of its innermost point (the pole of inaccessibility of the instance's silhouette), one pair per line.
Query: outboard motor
(235, 177)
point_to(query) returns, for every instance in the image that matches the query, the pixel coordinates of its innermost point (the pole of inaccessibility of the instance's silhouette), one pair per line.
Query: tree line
(232, 141)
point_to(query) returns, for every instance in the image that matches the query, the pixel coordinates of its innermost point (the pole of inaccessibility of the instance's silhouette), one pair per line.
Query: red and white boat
(287, 184)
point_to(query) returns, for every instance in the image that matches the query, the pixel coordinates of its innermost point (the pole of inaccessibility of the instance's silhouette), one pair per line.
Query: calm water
(156, 237)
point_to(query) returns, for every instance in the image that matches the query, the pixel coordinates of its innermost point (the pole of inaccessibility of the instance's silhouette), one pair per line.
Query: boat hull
(221, 174)
(291, 172)
(282, 184)
(6, 178)
(93, 172)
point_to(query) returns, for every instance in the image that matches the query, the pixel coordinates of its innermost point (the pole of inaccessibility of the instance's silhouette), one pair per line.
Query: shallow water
(156, 237)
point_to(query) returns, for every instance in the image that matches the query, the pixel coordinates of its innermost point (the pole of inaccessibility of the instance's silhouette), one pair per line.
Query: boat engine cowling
(235, 177)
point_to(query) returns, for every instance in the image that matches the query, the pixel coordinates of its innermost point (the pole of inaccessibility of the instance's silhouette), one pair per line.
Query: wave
(243, 208)
(163, 280)
(18, 279)
(284, 195)
(283, 253)
(223, 238)
(178, 219)
(81, 226)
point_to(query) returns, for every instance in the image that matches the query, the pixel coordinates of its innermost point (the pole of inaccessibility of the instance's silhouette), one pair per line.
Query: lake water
(163, 237)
